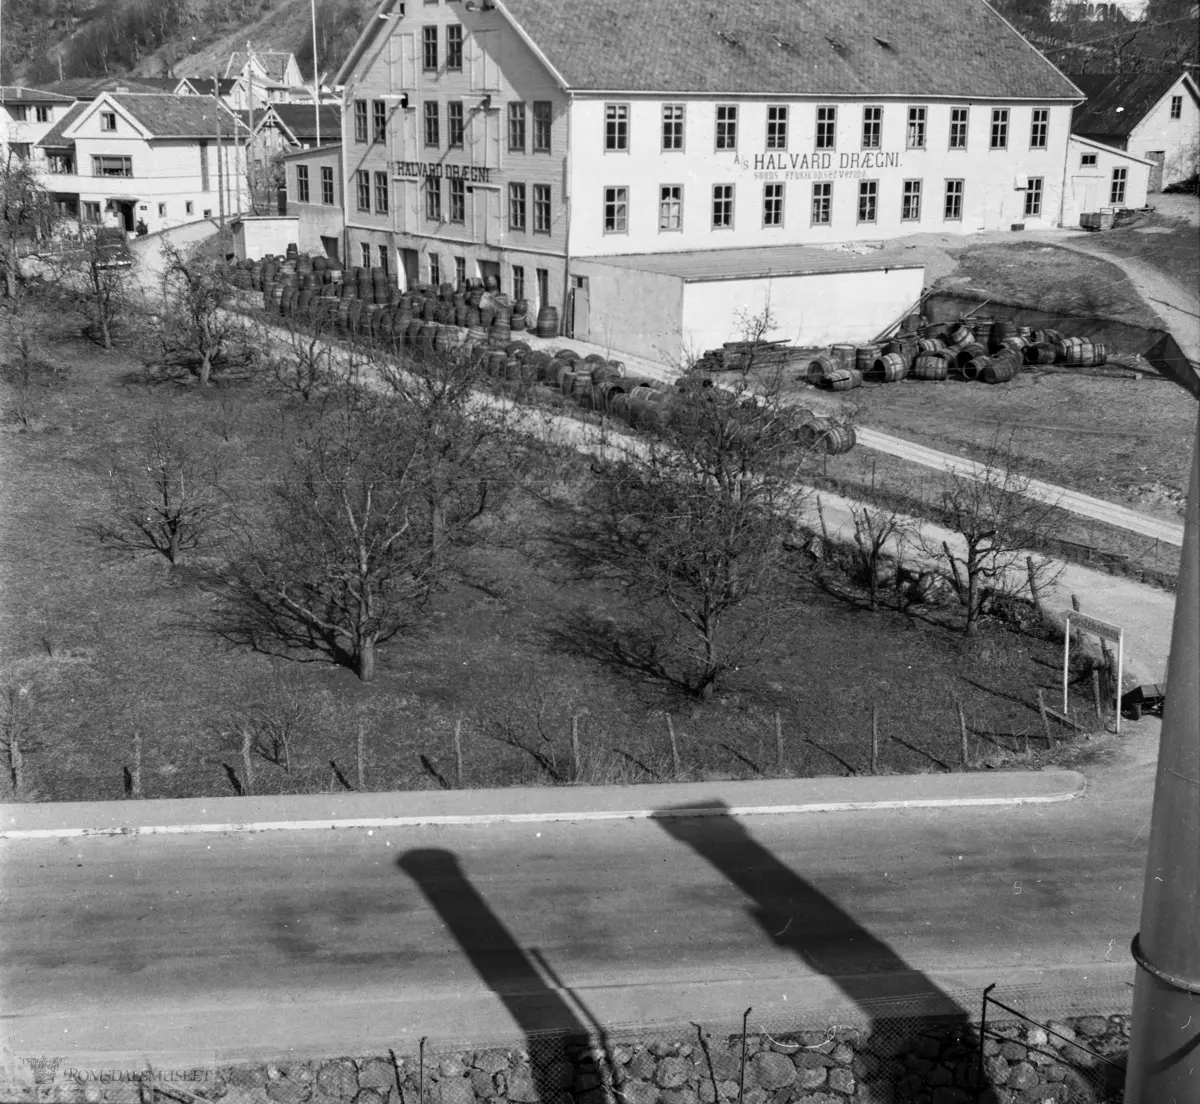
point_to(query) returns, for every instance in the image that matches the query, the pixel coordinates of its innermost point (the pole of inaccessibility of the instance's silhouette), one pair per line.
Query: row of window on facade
(670, 202)
(617, 120)
(20, 113)
(370, 124)
(92, 211)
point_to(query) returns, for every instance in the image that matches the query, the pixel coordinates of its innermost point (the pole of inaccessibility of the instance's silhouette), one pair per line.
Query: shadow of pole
(798, 917)
(552, 1030)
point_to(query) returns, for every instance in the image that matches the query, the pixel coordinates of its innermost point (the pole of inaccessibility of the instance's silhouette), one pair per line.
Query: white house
(1152, 115)
(314, 193)
(518, 138)
(26, 116)
(147, 157)
(267, 76)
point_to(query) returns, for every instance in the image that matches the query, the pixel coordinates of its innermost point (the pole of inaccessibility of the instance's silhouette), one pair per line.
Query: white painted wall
(257, 235)
(993, 179)
(811, 310)
(1177, 138)
(1089, 187)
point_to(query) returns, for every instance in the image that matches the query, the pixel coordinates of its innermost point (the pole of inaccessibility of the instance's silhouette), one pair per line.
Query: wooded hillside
(47, 39)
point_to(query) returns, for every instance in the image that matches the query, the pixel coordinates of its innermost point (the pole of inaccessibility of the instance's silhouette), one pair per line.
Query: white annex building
(706, 153)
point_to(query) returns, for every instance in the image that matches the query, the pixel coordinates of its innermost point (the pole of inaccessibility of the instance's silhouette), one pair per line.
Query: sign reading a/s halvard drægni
(818, 165)
(476, 174)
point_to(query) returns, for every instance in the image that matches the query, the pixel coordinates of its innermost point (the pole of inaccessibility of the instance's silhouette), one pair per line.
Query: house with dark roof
(148, 157)
(269, 76)
(518, 139)
(1155, 116)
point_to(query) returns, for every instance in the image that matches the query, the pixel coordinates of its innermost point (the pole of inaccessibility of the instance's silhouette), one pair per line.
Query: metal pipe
(1164, 1044)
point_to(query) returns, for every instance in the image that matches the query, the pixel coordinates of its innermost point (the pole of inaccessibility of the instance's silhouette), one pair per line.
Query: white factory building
(715, 156)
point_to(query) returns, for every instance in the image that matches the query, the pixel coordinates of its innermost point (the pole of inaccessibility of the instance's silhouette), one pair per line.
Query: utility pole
(316, 75)
(1163, 1066)
(220, 158)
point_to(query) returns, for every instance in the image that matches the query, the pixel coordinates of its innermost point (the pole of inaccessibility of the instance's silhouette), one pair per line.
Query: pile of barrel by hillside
(476, 323)
(992, 350)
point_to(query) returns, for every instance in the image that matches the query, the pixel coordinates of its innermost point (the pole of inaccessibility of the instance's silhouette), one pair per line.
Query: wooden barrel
(931, 366)
(930, 345)
(911, 323)
(958, 334)
(975, 367)
(1000, 370)
(500, 333)
(865, 356)
(968, 353)
(1002, 329)
(821, 367)
(547, 322)
(1041, 353)
(1015, 343)
(889, 368)
(905, 345)
(843, 379)
(1081, 353)
(843, 355)
(839, 439)
(981, 327)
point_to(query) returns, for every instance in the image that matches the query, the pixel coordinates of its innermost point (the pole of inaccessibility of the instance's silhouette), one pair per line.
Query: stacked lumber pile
(736, 356)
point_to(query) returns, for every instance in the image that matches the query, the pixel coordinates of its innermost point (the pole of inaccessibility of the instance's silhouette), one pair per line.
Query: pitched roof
(204, 85)
(15, 93)
(53, 138)
(161, 84)
(1117, 102)
(88, 88)
(273, 62)
(924, 48)
(298, 118)
(176, 116)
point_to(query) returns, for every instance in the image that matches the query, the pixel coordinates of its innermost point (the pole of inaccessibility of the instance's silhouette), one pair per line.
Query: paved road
(198, 948)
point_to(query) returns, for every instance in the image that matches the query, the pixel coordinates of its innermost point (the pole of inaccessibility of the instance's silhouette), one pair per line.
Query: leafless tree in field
(997, 519)
(694, 521)
(101, 276)
(875, 528)
(345, 563)
(167, 497)
(194, 325)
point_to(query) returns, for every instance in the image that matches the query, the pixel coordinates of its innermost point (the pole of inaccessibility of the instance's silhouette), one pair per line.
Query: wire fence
(1002, 1046)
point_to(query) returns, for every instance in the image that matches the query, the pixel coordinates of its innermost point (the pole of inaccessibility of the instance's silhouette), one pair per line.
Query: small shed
(254, 236)
(1101, 177)
(675, 305)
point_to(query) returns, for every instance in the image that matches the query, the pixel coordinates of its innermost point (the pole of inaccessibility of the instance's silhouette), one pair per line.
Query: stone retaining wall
(893, 1062)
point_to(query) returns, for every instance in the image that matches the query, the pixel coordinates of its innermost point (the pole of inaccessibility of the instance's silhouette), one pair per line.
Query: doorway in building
(122, 209)
(330, 245)
(490, 270)
(580, 308)
(1155, 182)
(410, 262)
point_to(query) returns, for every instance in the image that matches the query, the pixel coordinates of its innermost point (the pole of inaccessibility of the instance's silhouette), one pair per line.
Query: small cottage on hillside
(1155, 116)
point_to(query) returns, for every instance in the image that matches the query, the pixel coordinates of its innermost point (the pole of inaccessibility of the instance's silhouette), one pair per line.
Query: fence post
(982, 1039)
(874, 738)
(458, 753)
(742, 1073)
(1096, 694)
(778, 742)
(247, 765)
(360, 764)
(1045, 722)
(962, 729)
(137, 764)
(675, 765)
(576, 758)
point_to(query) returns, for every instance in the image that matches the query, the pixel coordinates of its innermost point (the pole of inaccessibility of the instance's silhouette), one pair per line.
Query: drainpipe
(567, 231)
(1164, 1046)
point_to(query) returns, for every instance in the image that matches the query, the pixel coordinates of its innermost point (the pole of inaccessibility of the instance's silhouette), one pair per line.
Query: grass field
(108, 646)
(1126, 441)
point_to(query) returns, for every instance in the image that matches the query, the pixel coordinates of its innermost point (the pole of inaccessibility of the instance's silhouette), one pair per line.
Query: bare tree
(25, 214)
(694, 522)
(101, 275)
(463, 444)
(875, 529)
(299, 357)
(194, 324)
(345, 564)
(992, 511)
(23, 371)
(168, 499)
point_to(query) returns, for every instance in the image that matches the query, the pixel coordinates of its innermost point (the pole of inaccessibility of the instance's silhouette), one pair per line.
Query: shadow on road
(552, 1028)
(798, 917)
